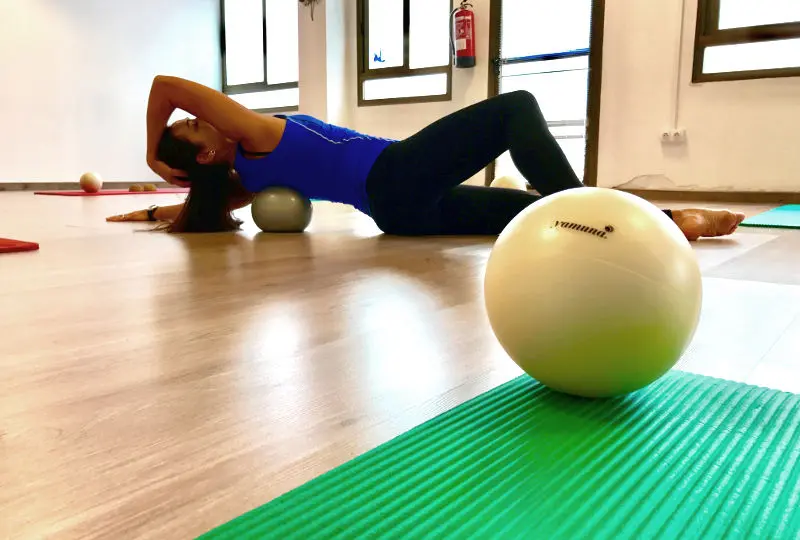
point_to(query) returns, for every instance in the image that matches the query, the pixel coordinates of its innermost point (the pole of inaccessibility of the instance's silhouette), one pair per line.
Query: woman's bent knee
(522, 98)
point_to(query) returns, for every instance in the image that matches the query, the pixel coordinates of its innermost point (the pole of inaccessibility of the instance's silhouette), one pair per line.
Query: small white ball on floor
(593, 292)
(91, 182)
(509, 182)
(281, 210)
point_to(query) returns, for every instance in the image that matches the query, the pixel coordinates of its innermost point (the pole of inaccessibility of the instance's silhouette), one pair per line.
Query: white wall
(340, 96)
(313, 61)
(324, 88)
(740, 135)
(75, 78)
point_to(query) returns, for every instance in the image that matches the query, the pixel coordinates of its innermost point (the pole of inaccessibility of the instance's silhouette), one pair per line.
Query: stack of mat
(688, 457)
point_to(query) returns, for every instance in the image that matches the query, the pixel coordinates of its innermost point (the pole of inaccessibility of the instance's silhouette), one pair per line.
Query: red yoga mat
(80, 193)
(12, 246)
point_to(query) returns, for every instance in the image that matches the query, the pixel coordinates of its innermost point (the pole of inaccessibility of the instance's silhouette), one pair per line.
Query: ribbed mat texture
(783, 217)
(688, 457)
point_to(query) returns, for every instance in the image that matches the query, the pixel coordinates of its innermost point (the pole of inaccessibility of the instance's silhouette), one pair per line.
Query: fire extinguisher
(462, 35)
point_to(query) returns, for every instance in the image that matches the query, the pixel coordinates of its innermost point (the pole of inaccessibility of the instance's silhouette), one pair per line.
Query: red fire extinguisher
(462, 35)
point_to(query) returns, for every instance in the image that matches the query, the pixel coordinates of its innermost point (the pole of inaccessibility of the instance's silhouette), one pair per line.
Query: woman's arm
(236, 122)
(160, 213)
(240, 199)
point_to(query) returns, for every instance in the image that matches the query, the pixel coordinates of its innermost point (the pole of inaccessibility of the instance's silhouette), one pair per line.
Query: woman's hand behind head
(170, 175)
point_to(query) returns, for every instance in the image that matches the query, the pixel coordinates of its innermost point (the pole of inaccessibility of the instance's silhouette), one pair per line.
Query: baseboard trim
(754, 197)
(59, 186)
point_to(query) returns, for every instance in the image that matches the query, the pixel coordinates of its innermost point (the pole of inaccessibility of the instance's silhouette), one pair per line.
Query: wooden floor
(155, 386)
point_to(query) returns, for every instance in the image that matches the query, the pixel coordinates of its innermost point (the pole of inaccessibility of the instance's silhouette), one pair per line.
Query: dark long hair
(211, 189)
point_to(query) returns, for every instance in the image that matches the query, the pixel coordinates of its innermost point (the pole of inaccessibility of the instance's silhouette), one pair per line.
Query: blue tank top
(319, 160)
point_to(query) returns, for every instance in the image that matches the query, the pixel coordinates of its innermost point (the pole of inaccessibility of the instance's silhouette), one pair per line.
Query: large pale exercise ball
(91, 182)
(593, 292)
(280, 209)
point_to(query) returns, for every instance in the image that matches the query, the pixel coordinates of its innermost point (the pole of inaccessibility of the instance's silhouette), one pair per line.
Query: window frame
(247, 88)
(594, 90)
(708, 34)
(366, 74)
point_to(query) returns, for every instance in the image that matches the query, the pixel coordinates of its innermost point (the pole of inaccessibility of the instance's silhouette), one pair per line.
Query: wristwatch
(151, 213)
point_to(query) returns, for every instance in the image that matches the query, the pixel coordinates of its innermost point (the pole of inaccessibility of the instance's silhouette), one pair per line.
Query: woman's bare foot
(698, 222)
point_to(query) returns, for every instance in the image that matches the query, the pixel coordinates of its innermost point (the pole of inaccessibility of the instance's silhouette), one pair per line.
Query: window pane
(532, 27)
(560, 86)
(739, 13)
(400, 87)
(575, 150)
(429, 33)
(282, 41)
(572, 139)
(272, 99)
(572, 143)
(752, 56)
(385, 47)
(244, 41)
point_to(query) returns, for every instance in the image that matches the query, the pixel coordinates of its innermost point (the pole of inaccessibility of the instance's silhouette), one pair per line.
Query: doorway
(553, 50)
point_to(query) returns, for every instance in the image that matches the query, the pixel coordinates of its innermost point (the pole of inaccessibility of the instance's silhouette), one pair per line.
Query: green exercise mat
(785, 217)
(688, 457)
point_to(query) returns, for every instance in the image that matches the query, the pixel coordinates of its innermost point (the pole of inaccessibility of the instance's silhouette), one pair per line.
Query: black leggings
(415, 188)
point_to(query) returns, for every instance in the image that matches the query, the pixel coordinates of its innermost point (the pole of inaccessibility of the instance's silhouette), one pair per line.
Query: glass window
(560, 86)
(429, 33)
(729, 48)
(743, 13)
(752, 56)
(244, 38)
(261, 53)
(385, 33)
(283, 41)
(534, 27)
(405, 87)
(404, 50)
(269, 99)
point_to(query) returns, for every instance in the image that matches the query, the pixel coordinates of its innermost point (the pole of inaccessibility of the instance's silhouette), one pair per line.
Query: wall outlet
(672, 136)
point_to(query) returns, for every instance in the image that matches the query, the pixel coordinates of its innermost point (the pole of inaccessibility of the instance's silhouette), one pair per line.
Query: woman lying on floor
(409, 187)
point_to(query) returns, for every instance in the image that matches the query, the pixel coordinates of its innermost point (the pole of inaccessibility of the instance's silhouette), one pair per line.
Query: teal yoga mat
(785, 217)
(689, 457)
